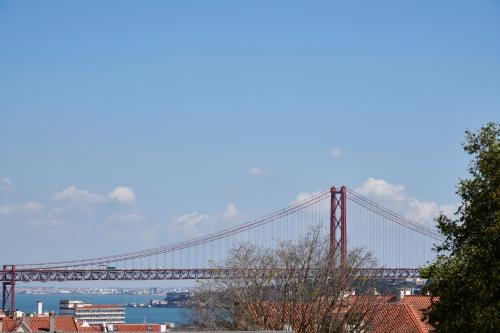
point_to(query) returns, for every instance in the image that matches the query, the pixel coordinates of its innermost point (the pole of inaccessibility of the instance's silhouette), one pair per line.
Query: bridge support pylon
(8, 288)
(338, 221)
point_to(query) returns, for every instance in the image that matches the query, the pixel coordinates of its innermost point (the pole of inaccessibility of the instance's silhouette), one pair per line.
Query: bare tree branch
(301, 286)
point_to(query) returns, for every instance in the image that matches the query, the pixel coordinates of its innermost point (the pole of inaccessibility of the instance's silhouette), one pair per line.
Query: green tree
(465, 276)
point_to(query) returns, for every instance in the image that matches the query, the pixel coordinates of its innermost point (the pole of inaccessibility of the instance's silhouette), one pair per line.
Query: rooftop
(100, 306)
(68, 324)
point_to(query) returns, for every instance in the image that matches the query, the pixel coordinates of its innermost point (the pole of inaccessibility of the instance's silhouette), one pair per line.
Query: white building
(93, 314)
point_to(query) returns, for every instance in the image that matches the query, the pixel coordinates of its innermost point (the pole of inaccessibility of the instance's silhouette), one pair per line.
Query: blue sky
(120, 119)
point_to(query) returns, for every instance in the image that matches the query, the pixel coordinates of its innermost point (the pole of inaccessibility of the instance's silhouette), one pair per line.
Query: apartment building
(93, 314)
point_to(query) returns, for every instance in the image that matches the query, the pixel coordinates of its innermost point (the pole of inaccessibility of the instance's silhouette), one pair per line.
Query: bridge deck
(35, 275)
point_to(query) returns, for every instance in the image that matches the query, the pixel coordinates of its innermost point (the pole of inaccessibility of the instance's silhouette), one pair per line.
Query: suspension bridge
(400, 245)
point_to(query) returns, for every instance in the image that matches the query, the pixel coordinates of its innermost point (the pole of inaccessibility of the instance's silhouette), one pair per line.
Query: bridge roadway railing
(41, 275)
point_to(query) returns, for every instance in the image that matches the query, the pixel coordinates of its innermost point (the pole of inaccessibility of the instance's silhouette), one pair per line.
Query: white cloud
(5, 209)
(195, 224)
(34, 207)
(122, 194)
(257, 171)
(231, 211)
(306, 195)
(336, 152)
(132, 217)
(30, 207)
(381, 189)
(303, 196)
(395, 197)
(421, 210)
(75, 195)
(72, 194)
(5, 184)
(190, 224)
(449, 209)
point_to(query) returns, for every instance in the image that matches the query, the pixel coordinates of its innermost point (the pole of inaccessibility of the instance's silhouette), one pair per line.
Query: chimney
(349, 292)
(39, 307)
(52, 322)
(402, 292)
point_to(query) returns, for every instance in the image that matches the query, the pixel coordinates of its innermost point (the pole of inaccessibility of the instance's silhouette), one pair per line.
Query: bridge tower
(338, 221)
(8, 290)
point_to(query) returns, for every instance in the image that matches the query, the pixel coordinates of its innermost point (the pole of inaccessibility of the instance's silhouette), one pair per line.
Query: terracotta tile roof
(69, 324)
(398, 318)
(89, 329)
(64, 324)
(272, 315)
(371, 298)
(8, 324)
(136, 327)
(420, 302)
(384, 313)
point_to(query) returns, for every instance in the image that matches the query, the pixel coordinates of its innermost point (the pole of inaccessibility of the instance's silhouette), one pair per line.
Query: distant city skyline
(127, 126)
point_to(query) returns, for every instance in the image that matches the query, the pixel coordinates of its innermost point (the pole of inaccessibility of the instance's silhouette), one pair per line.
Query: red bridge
(400, 245)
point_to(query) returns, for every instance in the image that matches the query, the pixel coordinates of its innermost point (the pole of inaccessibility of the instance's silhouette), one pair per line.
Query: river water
(179, 316)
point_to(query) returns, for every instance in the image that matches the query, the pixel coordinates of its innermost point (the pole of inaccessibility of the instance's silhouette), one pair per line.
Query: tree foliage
(465, 275)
